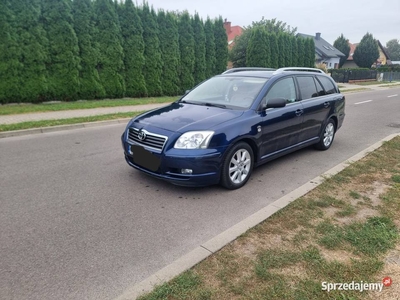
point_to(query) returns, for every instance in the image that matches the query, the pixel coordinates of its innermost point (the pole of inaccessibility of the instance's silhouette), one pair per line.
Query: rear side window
(307, 87)
(327, 84)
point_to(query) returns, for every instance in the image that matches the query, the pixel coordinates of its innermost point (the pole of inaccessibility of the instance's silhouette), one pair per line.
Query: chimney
(227, 26)
(317, 35)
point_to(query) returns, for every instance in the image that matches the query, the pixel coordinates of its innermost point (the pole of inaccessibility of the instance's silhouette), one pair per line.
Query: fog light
(186, 171)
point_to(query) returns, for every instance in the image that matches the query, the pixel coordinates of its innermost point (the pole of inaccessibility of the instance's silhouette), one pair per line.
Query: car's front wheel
(327, 136)
(237, 166)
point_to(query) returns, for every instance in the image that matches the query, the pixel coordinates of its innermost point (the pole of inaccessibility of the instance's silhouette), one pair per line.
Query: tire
(237, 166)
(327, 136)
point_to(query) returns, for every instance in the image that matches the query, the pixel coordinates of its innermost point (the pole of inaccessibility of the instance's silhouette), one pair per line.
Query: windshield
(238, 92)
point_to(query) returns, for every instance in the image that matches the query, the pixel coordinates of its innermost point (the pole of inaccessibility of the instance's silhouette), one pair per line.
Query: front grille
(151, 140)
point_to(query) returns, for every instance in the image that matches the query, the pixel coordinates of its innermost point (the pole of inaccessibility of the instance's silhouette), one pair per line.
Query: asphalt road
(76, 222)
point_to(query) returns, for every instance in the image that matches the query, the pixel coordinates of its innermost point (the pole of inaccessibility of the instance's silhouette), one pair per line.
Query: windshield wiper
(190, 102)
(215, 105)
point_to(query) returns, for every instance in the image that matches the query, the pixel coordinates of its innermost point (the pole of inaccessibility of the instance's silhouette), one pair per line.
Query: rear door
(316, 105)
(281, 126)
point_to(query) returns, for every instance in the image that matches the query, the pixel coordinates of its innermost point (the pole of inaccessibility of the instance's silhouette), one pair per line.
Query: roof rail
(299, 69)
(234, 70)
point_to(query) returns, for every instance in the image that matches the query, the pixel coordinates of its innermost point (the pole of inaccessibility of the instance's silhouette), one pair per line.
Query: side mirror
(275, 103)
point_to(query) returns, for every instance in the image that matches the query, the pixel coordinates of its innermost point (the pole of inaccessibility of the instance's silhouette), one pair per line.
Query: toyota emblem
(141, 135)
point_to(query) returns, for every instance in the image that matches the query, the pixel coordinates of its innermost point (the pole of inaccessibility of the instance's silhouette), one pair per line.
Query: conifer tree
(221, 46)
(32, 54)
(289, 49)
(199, 49)
(342, 44)
(367, 51)
(301, 52)
(111, 57)
(273, 45)
(186, 48)
(210, 48)
(133, 45)
(10, 66)
(152, 69)
(90, 85)
(258, 51)
(281, 53)
(295, 53)
(63, 51)
(311, 53)
(169, 44)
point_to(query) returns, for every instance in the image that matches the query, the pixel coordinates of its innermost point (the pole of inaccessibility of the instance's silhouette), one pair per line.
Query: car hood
(183, 117)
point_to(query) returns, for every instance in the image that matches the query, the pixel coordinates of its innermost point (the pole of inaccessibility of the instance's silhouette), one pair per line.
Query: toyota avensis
(229, 124)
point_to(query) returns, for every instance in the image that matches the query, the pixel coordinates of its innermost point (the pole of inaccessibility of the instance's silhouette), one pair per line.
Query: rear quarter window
(327, 84)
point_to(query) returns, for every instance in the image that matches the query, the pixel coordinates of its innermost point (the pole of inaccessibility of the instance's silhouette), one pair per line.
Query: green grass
(354, 90)
(49, 123)
(46, 107)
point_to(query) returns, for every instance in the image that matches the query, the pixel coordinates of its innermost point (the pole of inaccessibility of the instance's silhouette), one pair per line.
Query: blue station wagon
(229, 124)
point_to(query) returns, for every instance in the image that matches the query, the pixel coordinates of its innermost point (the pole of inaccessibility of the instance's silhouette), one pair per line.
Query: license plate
(145, 158)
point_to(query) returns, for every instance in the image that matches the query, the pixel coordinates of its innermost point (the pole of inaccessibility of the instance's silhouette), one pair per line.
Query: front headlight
(194, 140)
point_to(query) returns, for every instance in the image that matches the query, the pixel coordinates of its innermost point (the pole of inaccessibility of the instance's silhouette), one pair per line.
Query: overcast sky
(353, 18)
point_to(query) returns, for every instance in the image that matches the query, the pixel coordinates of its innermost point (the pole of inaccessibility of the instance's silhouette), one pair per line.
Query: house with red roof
(232, 32)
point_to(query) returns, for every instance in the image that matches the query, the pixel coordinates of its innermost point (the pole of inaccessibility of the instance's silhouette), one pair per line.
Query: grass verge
(49, 123)
(342, 231)
(45, 107)
(354, 90)
(375, 83)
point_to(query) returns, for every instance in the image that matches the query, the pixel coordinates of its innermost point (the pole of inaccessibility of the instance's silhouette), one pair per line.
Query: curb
(22, 132)
(201, 252)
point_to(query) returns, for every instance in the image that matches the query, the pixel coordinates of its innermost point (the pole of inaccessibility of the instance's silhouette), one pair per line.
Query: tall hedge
(111, 59)
(301, 50)
(10, 65)
(133, 46)
(187, 54)
(210, 48)
(169, 45)
(221, 46)
(90, 85)
(152, 70)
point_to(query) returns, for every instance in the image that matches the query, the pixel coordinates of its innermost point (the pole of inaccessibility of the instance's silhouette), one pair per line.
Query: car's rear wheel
(237, 166)
(327, 136)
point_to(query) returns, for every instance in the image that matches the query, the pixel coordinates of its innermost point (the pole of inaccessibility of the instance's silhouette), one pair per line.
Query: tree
(366, 52)
(310, 53)
(274, 26)
(152, 70)
(274, 50)
(133, 46)
(199, 50)
(111, 54)
(90, 85)
(238, 53)
(259, 52)
(186, 47)
(10, 66)
(221, 46)
(393, 49)
(32, 54)
(210, 48)
(169, 44)
(63, 51)
(281, 53)
(342, 44)
(301, 51)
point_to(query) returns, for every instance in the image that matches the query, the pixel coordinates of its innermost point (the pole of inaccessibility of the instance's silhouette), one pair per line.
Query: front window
(235, 92)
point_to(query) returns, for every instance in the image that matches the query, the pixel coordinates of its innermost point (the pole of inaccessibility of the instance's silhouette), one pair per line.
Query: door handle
(327, 104)
(299, 112)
